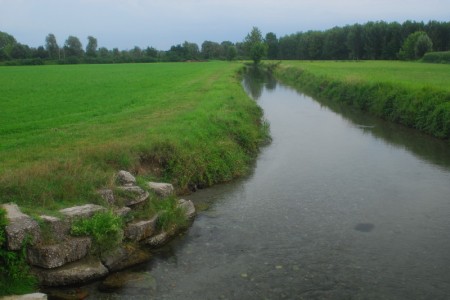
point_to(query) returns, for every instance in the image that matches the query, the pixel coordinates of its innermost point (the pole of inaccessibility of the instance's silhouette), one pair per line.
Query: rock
(52, 256)
(125, 178)
(135, 283)
(158, 240)
(20, 227)
(133, 195)
(66, 293)
(188, 207)
(83, 211)
(58, 229)
(123, 212)
(124, 257)
(34, 296)
(107, 195)
(161, 189)
(74, 273)
(140, 230)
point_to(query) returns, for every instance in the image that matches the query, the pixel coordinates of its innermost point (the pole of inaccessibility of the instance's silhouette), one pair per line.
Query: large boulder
(74, 273)
(107, 195)
(123, 211)
(188, 208)
(133, 195)
(140, 230)
(125, 257)
(55, 230)
(83, 211)
(161, 189)
(52, 256)
(160, 239)
(126, 178)
(20, 227)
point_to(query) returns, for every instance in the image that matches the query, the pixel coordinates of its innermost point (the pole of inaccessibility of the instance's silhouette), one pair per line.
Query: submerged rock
(52, 256)
(126, 178)
(161, 189)
(136, 283)
(20, 227)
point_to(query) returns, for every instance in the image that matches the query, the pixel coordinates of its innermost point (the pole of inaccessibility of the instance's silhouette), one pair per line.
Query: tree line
(372, 40)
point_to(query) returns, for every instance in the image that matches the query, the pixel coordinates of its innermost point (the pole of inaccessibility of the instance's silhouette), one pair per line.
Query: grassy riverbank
(66, 130)
(413, 94)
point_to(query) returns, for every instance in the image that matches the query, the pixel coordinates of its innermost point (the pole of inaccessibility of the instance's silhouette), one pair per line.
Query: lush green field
(65, 130)
(413, 94)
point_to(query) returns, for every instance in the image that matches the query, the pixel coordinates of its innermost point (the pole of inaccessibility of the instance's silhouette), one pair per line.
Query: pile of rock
(61, 259)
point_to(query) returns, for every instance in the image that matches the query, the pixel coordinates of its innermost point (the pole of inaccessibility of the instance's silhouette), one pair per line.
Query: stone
(158, 240)
(188, 207)
(123, 211)
(140, 230)
(161, 189)
(125, 257)
(134, 282)
(34, 296)
(59, 230)
(83, 211)
(82, 271)
(133, 195)
(75, 293)
(20, 227)
(125, 178)
(107, 195)
(52, 256)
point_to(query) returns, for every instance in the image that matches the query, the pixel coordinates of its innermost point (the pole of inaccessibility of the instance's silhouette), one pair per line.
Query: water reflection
(256, 79)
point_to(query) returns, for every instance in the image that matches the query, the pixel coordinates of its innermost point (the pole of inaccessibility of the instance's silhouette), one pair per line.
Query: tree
(52, 46)
(272, 45)
(73, 47)
(415, 46)
(423, 45)
(91, 48)
(254, 45)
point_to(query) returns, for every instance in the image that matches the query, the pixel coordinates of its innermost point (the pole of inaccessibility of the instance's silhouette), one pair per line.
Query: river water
(338, 206)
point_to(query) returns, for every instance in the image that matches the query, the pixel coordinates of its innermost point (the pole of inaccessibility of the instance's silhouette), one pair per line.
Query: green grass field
(410, 93)
(65, 130)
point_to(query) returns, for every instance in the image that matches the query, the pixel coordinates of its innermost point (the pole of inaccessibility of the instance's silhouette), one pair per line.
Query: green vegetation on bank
(66, 130)
(413, 94)
(437, 57)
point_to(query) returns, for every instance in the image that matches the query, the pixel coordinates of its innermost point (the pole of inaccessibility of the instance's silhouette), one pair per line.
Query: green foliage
(170, 215)
(255, 46)
(369, 87)
(437, 57)
(14, 270)
(415, 46)
(105, 228)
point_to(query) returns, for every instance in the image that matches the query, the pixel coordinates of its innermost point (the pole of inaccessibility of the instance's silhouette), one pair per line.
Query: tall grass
(65, 130)
(388, 90)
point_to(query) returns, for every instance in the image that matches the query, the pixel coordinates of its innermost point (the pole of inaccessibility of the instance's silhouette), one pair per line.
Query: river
(338, 206)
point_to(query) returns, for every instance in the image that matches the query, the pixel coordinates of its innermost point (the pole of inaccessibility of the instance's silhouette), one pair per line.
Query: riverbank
(412, 94)
(67, 130)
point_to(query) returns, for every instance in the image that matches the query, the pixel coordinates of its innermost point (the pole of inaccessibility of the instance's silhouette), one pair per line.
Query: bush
(105, 228)
(437, 57)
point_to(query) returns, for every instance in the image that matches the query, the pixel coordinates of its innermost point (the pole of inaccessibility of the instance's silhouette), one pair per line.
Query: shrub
(437, 57)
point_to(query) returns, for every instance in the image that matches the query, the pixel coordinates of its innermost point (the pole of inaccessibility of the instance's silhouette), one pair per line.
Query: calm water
(339, 206)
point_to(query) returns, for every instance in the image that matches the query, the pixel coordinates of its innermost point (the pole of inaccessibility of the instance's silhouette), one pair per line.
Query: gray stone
(133, 195)
(126, 178)
(123, 211)
(137, 231)
(107, 195)
(135, 283)
(52, 256)
(74, 273)
(58, 229)
(83, 211)
(161, 189)
(125, 257)
(34, 296)
(188, 207)
(20, 227)
(158, 240)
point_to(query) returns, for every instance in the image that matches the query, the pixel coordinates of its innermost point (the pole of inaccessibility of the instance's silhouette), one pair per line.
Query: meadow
(66, 130)
(410, 93)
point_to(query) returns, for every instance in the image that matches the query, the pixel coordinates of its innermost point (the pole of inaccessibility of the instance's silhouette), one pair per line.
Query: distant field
(414, 94)
(65, 129)
(409, 74)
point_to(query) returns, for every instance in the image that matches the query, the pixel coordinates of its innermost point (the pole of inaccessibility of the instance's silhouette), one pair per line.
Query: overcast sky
(163, 23)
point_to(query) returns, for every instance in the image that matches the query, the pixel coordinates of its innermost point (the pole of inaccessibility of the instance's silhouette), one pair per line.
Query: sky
(160, 24)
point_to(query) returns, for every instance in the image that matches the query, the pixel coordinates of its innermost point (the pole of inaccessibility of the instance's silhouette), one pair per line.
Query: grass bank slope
(413, 94)
(65, 130)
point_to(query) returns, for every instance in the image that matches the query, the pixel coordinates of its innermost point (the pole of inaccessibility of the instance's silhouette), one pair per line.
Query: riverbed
(338, 206)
